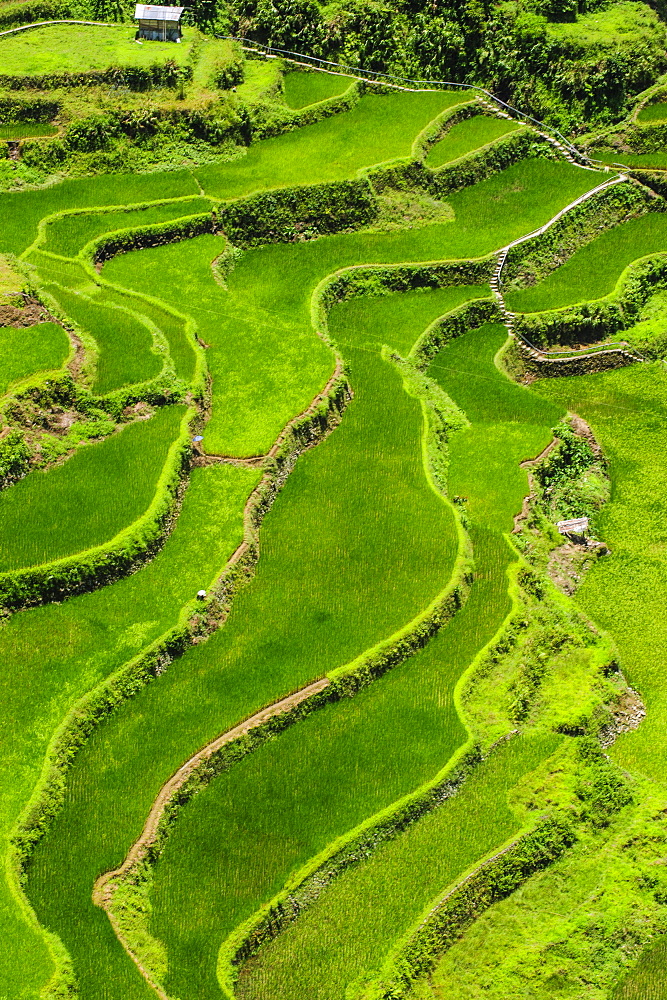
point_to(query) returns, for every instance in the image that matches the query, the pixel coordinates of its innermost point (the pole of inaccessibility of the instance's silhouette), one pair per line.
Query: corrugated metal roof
(148, 12)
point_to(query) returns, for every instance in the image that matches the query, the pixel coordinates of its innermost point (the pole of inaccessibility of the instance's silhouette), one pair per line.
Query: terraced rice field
(353, 463)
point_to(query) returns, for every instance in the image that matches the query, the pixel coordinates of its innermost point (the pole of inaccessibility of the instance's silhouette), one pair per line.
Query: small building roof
(575, 526)
(149, 12)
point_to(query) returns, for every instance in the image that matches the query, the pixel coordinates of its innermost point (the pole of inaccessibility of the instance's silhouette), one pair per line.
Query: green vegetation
(123, 470)
(68, 235)
(54, 654)
(302, 89)
(125, 343)
(263, 355)
(378, 128)
(657, 159)
(26, 130)
(350, 928)
(653, 112)
(626, 410)
(20, 212)
(468, 136)
(304, 615)
(594, 270)
(31, 349)
(77, 48)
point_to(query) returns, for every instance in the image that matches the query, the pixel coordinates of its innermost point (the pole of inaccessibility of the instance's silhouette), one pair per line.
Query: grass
(263, 354)
(653, 112)
(571, 930)
(125, 344)
(26, 130)
(347, 933)
(302, 89)
(594, 270)
(21, 211)
(647, 980)
(90, 498)
(54, 654)
(333, 578)
(657, 159)
(617, 26)
(76, 48)
(26, 351)
(468, 136)
(68, 235)
(378, 128)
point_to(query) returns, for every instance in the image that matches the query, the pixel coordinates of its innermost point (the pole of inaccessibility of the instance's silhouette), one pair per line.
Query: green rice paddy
(468, 136)
(102, 489)
(347, 933)
(302, 89)
(653, 112)
(263, 354)
(657, 159)
(593, 271)
(26, 130)
(67, 236)
(53, 655)
(357, 544)
(124, 342)
(27, 350)
(323, 539)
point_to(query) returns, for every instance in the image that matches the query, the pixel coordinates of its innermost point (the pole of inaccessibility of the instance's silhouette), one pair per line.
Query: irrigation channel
(372, 495)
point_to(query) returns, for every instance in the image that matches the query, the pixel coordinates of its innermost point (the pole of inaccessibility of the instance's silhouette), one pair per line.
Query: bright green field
(653, 112)
(302, 89)
(26, 130)
(333, 578)
(376, 129)
(630, 159)
(31, 349)
(124, 343)
(67, 236)
(21, 211)
(53, 655)
(594, 270)
(468, 136)
(647, 980)
(348, 932)
(263, 356)
(77, 48)
(102, 489)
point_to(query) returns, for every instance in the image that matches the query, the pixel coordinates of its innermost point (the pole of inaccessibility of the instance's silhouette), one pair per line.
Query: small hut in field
(160, 24)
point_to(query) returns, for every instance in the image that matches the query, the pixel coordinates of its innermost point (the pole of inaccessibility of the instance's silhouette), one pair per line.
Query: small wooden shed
(160, 24)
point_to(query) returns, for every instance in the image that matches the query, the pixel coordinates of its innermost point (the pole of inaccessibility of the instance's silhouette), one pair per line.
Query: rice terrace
(333, 500)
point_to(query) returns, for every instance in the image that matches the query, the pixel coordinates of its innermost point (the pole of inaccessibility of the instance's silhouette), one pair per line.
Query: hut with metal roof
(160, 24)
